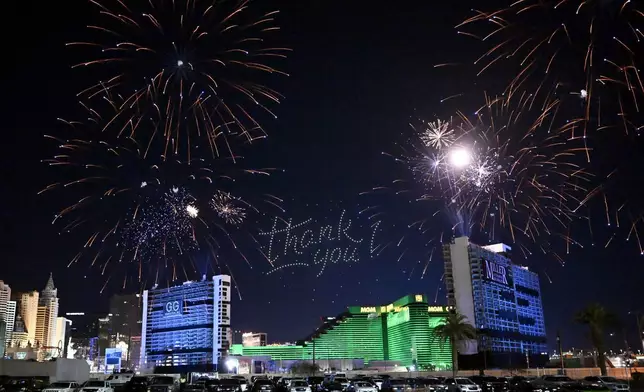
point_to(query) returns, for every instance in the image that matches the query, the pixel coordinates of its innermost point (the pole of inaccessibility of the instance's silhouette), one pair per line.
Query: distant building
(62, 334)
(10, 319)
(125, 313)
(28, 308)
(49, 300)
(187, 327)
(19, 336)
(399, 333)
(500, 299)
(5, 297)
(254, 339)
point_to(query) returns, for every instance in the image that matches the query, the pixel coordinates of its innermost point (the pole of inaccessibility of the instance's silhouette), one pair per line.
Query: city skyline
(354, 87)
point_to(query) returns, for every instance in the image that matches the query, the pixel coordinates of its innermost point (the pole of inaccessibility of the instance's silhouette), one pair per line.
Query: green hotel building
(401, 332)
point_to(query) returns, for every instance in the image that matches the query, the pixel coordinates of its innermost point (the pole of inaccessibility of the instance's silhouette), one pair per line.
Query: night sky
(359, 72)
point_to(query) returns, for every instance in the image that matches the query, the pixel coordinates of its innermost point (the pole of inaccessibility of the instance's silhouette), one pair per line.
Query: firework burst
(138, 210)
(227, 208)
(509, 170)
(182, 76)
(437, 134)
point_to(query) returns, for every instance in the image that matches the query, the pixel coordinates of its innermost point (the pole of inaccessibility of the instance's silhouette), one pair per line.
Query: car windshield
(299, 384)
(263, 382)
(228, 381)
(464, 381)
(431, 381)
(608, 379)
(99, 384)
(163, 380)
(60, 385)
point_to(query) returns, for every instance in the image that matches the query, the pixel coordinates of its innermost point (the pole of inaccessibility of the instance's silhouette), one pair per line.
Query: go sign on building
(173, 307)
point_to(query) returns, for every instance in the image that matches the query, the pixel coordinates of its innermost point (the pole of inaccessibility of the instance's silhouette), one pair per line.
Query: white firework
(438, 134)
(225, 206)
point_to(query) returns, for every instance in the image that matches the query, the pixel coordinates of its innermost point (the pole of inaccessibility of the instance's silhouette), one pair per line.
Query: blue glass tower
(502, 300)
(187, 327)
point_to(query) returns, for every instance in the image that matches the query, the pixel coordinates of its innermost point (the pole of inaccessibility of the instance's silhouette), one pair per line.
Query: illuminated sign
(495, 272)
(419, 298)
(368, 309)
(173, 307)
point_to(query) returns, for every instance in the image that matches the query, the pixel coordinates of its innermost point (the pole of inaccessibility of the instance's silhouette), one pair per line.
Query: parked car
(263, 385)
(362, 386)
(163, 384)
(243, 383)
(432, 384)
(62, 386)
(118, 380)
(137, 384)
(97, 386)
(395, 385)
(23, 384)
(611, 383)
(461, 384)
(490, 383)
(315, 382)
(299, 386)
(378, 381)
(201, 387)
(333, 387)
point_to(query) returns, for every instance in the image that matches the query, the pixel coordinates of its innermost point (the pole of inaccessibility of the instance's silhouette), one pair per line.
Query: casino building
(400, 332)
(502, 300)
(186, 328)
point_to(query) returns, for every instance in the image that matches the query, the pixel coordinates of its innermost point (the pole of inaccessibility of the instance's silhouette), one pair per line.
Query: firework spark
(225, 205)
(182, 74)
(438, 134)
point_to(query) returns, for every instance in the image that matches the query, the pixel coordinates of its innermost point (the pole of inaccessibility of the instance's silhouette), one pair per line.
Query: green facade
(401, 331)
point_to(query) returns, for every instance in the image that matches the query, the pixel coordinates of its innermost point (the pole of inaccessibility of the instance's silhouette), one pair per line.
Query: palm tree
(597, 319)
(454, 329)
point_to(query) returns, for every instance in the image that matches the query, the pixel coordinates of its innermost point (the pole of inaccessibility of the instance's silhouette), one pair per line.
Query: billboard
(113, 360)
(495, 272)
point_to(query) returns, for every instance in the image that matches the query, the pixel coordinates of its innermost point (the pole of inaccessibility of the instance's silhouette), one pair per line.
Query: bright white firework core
(192, 211)
(179, 63)
(460, 158)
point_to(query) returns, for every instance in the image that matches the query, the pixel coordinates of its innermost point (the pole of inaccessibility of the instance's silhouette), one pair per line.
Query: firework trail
(592, 50)
(185, 74)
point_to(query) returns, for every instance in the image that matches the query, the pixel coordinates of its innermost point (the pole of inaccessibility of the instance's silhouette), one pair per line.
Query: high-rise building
(49, 300)
(500, 299)
(28, 308)
(401, 332)
(254, 339)
(62, 333)
(10, 319)
(187, 327)
(5, 297)
(126, 314)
